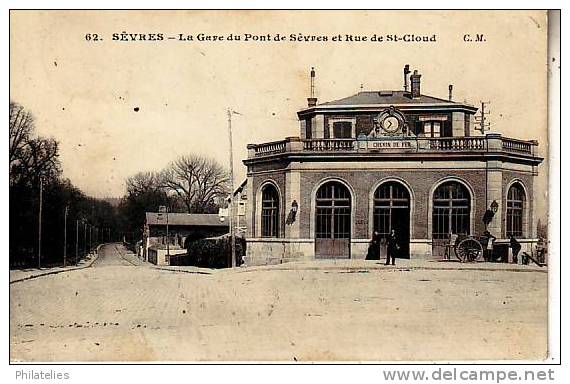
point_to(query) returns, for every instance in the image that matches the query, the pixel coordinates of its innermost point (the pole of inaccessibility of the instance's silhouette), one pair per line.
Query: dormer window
(432, 129)
(342, 128)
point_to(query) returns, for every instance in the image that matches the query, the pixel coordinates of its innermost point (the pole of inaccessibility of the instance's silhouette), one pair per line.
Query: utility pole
(482, 119)
(232, 263)
(65, 236)
(40, 224)
(85, 238)
(76, 241)
(167, 237)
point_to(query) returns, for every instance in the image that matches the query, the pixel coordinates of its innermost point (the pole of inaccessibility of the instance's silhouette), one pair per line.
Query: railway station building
(381, 161)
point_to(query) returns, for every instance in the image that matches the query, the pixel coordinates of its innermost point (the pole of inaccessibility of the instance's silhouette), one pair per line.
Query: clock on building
(391, 121)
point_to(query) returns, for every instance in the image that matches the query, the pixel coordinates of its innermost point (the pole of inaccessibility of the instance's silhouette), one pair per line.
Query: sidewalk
(401, 264)
(363, 265)
(18, 275)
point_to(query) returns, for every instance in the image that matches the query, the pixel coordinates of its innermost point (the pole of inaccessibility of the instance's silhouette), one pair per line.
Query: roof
(387, 97)
(241, 187)
(188, 219)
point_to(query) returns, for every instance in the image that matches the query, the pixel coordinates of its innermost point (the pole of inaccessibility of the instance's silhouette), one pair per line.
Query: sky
(120, 107)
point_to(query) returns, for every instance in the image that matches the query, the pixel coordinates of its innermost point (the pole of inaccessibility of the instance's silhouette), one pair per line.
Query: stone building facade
(382, 161)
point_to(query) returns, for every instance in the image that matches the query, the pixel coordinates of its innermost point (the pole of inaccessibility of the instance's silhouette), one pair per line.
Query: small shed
(176, 229)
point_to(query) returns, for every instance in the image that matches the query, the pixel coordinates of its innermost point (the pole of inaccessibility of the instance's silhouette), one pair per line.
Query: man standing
(392, 248)
(516, 247)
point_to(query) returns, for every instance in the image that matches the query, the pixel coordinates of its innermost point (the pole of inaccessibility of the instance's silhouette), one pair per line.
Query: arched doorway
(451, 214)
(392, 212)
(332, 221)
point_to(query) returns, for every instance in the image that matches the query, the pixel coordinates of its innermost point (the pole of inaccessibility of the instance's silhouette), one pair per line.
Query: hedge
(214, 252)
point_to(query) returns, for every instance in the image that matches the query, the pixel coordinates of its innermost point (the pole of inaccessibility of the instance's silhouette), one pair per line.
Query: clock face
(391, 124)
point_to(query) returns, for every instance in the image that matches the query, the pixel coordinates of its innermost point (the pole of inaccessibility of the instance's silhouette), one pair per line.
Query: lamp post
(494, 206)
(167, 238)
(164, 209)
(490, 213)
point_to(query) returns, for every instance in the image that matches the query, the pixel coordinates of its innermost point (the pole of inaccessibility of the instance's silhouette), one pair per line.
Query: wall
(454, 125)
(278, 179)
(420, 181)
(158, 256)
(363, 178)
(527, 180)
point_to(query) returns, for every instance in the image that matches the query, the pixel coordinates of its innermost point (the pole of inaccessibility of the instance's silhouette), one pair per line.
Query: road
(115, 255)
(123, 310)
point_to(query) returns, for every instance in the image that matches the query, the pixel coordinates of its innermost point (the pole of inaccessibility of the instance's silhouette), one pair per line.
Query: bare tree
(21, 130)
(143, 182)
(30, 157)
(197, 181)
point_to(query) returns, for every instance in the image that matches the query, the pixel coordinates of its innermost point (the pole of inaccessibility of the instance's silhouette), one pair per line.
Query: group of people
(487, 242)
(392, 247)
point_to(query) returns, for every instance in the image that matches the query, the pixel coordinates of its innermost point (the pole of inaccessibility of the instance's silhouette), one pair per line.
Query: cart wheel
(469, 250)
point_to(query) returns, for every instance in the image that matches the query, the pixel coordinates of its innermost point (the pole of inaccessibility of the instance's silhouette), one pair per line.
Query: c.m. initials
(477, 38)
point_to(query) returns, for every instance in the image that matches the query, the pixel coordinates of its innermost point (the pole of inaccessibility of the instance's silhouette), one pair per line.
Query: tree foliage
(34, 160)
(191, 184)
(30, 157)
(144, 194)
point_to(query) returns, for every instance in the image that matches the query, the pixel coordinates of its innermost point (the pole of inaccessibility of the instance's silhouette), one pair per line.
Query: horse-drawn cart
(466, 248)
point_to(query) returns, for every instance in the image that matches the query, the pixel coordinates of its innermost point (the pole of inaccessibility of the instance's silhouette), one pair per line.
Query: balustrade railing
(270, 148)
(328, 145)
(440, 144)
(458, 144)
(512, 145)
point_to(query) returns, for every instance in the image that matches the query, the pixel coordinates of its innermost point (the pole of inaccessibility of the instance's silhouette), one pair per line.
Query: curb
(198, 272)
(386, 268)
(62, 270)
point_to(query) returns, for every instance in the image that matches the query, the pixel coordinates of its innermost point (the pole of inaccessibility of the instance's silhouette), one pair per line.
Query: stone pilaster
(458, 124)
(292, 193)
(318, 127)
(249, 212)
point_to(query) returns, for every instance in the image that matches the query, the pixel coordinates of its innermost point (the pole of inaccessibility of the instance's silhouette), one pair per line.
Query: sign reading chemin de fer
(400, 144)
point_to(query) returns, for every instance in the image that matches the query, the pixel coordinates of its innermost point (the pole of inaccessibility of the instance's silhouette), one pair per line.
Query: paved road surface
(115, 255)
(116, 311)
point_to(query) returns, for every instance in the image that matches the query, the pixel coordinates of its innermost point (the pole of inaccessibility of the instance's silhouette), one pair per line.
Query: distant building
(382, 161)
(240, 198)
(182, 227)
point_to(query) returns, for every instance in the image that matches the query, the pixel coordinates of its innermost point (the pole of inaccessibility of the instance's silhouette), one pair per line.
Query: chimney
(450, 92)
(415, 81)
(406, 72)
(312, 101)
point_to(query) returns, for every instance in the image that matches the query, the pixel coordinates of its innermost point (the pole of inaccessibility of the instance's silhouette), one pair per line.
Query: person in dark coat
(374, 247)
(487, 243)
(392, 247)
(516, 247)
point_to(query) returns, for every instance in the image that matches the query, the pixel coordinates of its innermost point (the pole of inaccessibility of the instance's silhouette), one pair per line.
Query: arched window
(269, 211)
(451, 210)
(515, 210)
